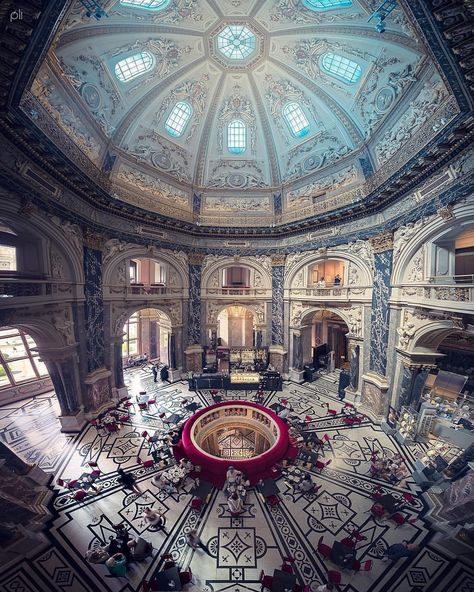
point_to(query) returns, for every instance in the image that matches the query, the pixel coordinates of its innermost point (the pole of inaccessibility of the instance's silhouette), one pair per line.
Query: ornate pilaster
(354, 345)
(194, 311)
(410, 377)
(94, 307)
(380, 319)
(278, 272)
(117, 365)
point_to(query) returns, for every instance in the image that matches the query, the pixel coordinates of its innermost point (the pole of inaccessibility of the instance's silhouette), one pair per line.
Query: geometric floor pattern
(240, 548)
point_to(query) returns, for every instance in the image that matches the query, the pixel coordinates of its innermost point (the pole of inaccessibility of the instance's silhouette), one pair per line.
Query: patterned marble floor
(239, 547)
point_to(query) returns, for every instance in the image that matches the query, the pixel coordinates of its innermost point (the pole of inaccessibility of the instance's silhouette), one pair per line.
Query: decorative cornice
(382, 242)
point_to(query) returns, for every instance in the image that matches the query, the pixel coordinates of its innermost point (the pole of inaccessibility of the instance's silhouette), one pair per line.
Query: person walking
(194, 541)
(399, 550)
(165, 375)
(128, 481)
(155, 372)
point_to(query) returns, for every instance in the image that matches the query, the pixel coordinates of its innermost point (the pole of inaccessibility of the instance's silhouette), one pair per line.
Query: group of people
(337, 282)
(235, 488)
(391, 469)
(121, 551)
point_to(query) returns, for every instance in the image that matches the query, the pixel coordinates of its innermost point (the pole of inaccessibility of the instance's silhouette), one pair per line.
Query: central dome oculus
(236, 42)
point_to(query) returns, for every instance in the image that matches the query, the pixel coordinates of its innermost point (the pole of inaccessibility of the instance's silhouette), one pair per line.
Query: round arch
(214, 310)
(431, 335)
(462, 217)
(119, 252)
(306, 313)
(311, 258)
(223, 262)
(131, 309)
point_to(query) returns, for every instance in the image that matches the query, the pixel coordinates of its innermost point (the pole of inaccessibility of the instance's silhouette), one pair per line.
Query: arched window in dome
(340, 67)
(326, 4)
(146, 4)
(236, 136)
(178, 118)
(296, 119)
(133, 66)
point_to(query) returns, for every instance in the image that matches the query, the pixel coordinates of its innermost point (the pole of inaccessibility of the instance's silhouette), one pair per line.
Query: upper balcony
(141, 291)
(15, 291)
(332, 293)
(455, 293)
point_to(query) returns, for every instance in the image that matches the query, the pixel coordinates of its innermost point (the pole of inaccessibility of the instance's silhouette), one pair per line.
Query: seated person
(231, 476)
(117, 564)
(153, 518)
(345, 558)
(235, 504)
(163, 483)
(403, 549)
(142, 398)
(128, 481)
(186, 465)
(283, 414)
(163, 463)
(141, 549)
(97, 555)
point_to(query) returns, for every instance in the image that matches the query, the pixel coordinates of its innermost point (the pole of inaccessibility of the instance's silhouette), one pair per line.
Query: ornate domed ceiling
(240, 112)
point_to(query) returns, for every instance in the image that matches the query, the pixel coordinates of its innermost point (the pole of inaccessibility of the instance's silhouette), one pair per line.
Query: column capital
(58, 354)
(278, 259)
(382, 242)
(94, 240)
(196, 258)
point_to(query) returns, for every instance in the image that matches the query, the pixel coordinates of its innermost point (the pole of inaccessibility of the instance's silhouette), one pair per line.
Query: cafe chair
(357, 536)
(286, 565)
(67, 484)
(145, 463)
(164, 419)
(348, 542)
(266, 581)
(186, 577)
(364, 566)
(324, 550)
(331, 411)
(94, 465)
(79, 495)
(334, 577)
(400, 519)
(142, 406)
(196, 504)
(101, 431)
(124, 418)
(408, 498)
(377, 511)
(151, 402)
(111, 427)
(376, 494)
(127, 404)
(272, 500)
(321, 465)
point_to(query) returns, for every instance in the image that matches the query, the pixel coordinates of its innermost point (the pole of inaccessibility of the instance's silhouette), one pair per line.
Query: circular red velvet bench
(214, 468)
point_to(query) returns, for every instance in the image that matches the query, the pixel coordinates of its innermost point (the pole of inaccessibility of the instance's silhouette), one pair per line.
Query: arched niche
(44, 250)
(431, 240)
(117, 256)
(259, 271)
(356, 270)
(236, 325)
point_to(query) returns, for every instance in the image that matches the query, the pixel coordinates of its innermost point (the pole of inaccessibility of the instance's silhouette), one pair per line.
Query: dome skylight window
(236, 42)
(340, 67)
(326, 4)
(146, 4)
(236, 137)
(296, 119)
(178, 119)
(133, 66)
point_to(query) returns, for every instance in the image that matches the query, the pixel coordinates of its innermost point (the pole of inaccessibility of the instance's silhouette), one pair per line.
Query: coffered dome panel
(240, 100)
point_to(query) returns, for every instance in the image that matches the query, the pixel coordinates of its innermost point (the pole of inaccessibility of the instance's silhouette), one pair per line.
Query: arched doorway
(235, 327)
(147, 333)
(325, 327)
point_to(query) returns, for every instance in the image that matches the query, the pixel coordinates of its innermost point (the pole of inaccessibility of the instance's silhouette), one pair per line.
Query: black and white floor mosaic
(239, 548)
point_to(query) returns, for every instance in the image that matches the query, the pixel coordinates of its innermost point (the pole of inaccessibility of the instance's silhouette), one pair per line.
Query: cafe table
(167, 579)
(282, 581)
(202, 490)
(389, 503)
(268, 488)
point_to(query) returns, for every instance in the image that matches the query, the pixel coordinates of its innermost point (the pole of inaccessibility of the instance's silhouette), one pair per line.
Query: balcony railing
(254, 292)
(341, 293)
(446, 293)
(25, 288)
(454, 279)
(135, 290)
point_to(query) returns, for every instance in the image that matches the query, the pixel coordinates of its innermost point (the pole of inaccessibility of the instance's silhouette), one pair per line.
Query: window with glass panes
(326, 4)
(130, 338)
(340, 67)
(146, 4)
(134, 65)
(178, 119)
(18, 363)
(296, 119)
(236, 136)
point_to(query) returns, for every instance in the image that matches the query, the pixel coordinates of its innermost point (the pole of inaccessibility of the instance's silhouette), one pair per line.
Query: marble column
(276, 350)
(194, 350)
(98, 380)
(117, 343)
(172, 351)
(410, 376)
(62, 365)
(375, 385)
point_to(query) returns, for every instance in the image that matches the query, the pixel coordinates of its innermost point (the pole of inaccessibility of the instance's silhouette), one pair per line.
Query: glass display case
(407, 424)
